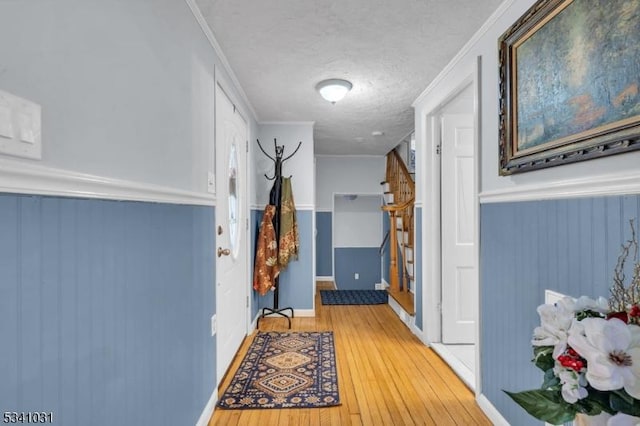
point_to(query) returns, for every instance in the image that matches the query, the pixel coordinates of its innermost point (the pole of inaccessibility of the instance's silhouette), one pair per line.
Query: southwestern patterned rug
(285, 370)
(353, 297)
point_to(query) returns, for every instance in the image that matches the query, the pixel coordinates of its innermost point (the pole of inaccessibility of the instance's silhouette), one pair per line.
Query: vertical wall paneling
(297, 280)
(570, 246)
(104, 310)
(324, 244)
(365, 261)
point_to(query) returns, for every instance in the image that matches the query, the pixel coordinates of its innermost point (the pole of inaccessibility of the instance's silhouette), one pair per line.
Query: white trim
(208, 409)
(305, 207)
(461, 370)
(492, 412)
(590, 186)
(350, 156)
(296, 313)
(323, 278)
(287, 123)
(256, 207)
(417, 204)
(465, 49)
(324, 210)
(407, 319)
(23, 178)
(197, 13)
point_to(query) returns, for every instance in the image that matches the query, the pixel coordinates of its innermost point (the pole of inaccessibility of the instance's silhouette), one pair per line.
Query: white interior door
(231, 266)
(459, 268)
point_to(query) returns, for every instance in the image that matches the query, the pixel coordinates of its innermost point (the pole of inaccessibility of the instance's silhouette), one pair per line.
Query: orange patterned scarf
(266, 267)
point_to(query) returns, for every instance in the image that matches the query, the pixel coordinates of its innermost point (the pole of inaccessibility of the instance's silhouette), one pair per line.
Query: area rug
(353, 297)
(285, 370)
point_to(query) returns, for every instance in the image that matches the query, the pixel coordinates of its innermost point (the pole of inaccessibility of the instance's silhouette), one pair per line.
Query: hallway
(386, 376)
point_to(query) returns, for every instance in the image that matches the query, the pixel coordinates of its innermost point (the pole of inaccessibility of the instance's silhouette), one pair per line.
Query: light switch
(20, 127)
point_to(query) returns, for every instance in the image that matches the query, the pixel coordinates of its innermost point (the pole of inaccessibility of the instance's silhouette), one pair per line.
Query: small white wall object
(20, 127)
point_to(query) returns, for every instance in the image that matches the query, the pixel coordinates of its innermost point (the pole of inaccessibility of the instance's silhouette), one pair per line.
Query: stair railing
(402, 186)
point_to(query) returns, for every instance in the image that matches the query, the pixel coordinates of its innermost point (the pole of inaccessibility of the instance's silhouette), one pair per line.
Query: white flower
(584, 303)
(573, 383)
(622, 419)
(555, 321)
(612, 351)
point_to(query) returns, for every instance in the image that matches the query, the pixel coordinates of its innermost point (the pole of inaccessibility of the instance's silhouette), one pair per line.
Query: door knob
(223, 252)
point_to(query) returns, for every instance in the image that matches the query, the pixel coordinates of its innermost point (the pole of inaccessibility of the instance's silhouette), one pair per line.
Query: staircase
(399, 195)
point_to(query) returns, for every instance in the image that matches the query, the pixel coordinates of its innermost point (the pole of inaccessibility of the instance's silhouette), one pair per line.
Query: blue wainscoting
(256, 219)
(324, 244)
(104, 310)
(570, 246)
(362, 260)
(297, 280)
(417, 265)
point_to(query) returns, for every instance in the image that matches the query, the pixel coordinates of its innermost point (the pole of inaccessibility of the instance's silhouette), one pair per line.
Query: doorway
(454, 137)
(231, 239)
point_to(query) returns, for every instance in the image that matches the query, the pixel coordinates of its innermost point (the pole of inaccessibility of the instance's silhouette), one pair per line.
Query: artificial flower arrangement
(589, 351)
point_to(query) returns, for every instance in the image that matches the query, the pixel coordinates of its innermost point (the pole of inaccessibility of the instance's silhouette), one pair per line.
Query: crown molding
(206, 29)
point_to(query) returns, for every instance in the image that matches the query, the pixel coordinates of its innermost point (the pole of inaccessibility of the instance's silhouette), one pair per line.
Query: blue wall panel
(104, 310)
(297, 280)
(570, 246)
(324, 244)
(417, 265)
(362, 260)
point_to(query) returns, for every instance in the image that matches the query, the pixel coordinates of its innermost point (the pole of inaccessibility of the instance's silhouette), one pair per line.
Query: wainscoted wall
(254, 227)
(417, 259)
(104, 310)
(362, 260)
(297, 280)
(570, 246)
(324, 244)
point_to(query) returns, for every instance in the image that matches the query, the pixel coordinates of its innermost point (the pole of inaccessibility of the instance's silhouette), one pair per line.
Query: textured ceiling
(390, 50)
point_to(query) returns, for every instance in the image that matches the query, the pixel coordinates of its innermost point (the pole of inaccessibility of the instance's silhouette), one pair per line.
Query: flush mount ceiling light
(333, 89)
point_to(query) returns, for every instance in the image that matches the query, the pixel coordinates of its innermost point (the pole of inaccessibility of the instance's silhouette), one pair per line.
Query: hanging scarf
(289, 239)
(266, 268)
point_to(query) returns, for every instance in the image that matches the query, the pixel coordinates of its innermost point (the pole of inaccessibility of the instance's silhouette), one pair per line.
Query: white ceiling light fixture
(333, 89)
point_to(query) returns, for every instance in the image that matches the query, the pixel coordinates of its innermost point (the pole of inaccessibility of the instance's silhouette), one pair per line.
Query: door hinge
(438, 149)
(247, 301)
(247, 221)
(247, 145)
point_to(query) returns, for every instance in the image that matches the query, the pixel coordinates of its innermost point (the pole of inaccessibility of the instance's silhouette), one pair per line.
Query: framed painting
(569, 83)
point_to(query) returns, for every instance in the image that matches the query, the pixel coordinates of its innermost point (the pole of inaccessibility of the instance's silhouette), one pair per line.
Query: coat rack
(274, 199)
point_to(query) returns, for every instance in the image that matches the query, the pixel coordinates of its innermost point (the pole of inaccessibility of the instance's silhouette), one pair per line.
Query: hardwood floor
(386, 376)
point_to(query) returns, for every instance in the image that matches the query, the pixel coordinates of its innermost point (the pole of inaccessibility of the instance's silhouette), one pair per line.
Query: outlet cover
(356, 276)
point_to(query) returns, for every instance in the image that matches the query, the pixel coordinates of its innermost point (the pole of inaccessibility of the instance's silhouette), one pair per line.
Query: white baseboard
(461, 370)
(296, 313)
(322, 278)
(208, 409)
(490, 411)
(407, 319)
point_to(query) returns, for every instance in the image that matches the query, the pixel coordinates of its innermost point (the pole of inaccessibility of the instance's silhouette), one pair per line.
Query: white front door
(232, 285)
(459, 269)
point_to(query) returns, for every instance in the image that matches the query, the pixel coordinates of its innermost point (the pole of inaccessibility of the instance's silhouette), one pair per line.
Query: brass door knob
(223, 252)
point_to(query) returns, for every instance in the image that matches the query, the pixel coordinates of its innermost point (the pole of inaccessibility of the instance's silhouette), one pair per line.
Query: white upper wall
(300, 166)
(347, 175)
(486, 46)
(126, 88)
(358, 222)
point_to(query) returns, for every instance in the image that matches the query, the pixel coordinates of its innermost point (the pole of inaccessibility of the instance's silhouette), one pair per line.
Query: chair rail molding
(23, 178)
(612, 184)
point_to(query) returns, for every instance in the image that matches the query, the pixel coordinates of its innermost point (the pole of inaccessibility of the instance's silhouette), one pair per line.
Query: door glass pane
(233, 198)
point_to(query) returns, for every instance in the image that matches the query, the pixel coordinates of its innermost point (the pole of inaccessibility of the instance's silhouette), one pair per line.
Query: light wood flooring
(386, 376)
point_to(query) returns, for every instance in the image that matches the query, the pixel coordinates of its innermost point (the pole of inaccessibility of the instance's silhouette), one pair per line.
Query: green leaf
(595, 403)
(543, 357)
(621, 401)
(545, 405)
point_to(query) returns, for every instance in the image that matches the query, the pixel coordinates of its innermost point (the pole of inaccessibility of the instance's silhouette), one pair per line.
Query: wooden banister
(402, 187)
